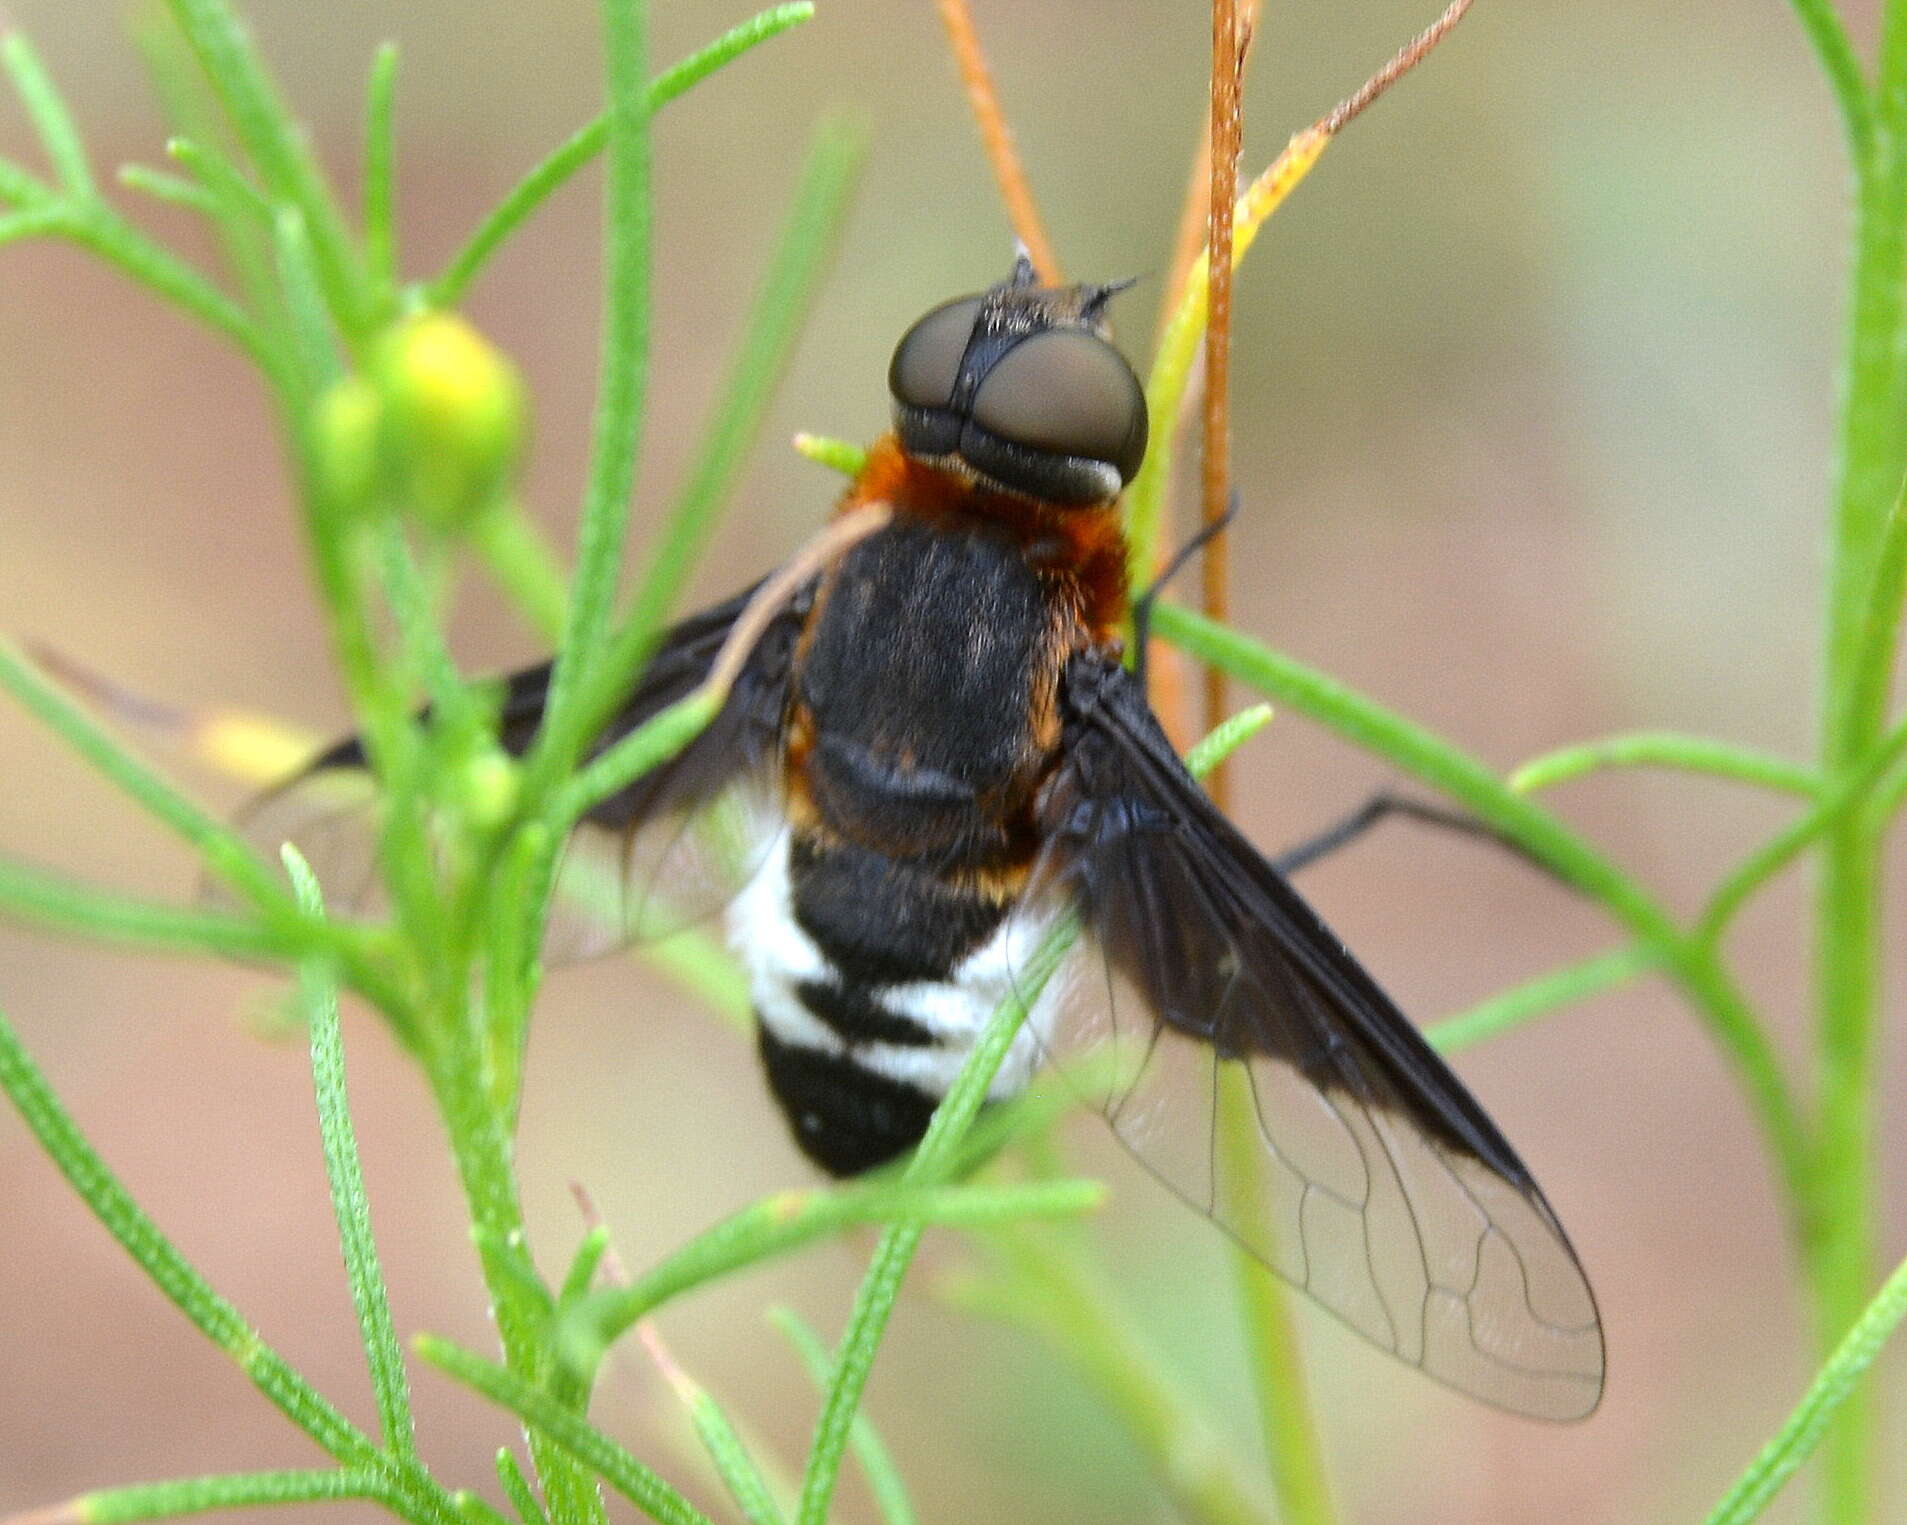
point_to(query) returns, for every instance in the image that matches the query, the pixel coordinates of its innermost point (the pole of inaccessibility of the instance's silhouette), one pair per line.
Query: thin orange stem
(1227, 136)
(1167, 666)
(1188, 242)
(997, 138)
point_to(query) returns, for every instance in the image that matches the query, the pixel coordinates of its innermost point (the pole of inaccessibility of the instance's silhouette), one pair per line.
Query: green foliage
(470, 840)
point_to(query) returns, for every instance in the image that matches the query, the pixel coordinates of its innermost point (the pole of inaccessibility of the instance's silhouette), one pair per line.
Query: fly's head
(1021, 386)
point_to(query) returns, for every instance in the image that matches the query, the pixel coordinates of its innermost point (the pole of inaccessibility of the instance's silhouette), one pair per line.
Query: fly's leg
(1383, 806)
(1142, 605)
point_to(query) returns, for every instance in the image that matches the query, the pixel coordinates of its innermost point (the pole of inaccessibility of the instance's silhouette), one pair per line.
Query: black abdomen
(920, 687)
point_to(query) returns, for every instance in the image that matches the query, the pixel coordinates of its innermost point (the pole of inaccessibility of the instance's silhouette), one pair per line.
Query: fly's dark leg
(1383, 806)
(1142, 606)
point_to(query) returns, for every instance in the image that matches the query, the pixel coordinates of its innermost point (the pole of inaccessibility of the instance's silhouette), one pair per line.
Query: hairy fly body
(931, 755)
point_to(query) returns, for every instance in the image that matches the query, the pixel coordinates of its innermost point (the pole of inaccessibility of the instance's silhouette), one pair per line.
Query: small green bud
(454, 416)
(345, 427)
(487, 787)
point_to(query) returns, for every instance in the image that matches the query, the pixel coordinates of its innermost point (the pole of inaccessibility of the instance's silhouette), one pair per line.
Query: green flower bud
(487, 787)
(454, 417)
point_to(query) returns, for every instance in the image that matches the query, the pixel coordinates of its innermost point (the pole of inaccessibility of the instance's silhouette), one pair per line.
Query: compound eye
(927, 360)
(1066, 392)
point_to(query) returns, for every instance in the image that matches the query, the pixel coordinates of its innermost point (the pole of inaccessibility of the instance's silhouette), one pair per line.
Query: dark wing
(669, 848)
(1376, 1182)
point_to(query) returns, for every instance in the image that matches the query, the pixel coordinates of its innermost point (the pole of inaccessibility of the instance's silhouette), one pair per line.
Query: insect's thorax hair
(1081, 548)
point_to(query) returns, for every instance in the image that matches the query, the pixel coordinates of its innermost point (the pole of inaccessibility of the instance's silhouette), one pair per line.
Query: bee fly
(931, 753)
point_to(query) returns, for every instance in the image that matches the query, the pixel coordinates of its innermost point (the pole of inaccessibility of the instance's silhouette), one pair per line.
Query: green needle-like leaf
(786, 1221)
(51, 120)
(881, 1285)
(583, 145)
(1831, 1388)
(380, 171)
(221, 849)
(622, 380)
(275, 143)
(883, 1477)
(768, 339)
(318, 994)
(201, 1495)
(156, 1255)
(1666, 749)
(45, 900)
(517, 1489)
(720, 1440)
(1545, 993)
(1367, 724)
(629, 1477)
(174, 190)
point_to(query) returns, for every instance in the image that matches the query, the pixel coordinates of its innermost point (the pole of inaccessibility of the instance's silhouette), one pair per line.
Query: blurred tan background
(1534, 417)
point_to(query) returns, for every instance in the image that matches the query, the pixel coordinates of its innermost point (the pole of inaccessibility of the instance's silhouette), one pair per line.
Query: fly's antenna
(1142, 606)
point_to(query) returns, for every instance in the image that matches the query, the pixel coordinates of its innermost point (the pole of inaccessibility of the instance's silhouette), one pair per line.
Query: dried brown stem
(814, 557)
(997, 138)
(1188, 241)
(614, 1270)
(1402, 62)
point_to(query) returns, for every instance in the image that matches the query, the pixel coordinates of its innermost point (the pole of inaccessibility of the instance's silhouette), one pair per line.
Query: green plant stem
(1290, 1435)
(192, 115)
(544, 1415)
(881, 1285)
(696, 960)
(380, 174)
(275, 144)
(62, 906)
(45, 900)
(1692, 965)
(481, 1147)
(48, 113)
(1843, 69)
(1837, 1381)
(1666, 749)
(1865, 786)
(222, 851)
(477, 1510)
(241, 201)
(768, 338)
(308, 322)
(584, 144)
(524, 566)
(1848, 892)
(722, 1442)
(623, 372)
(1049, 1289)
